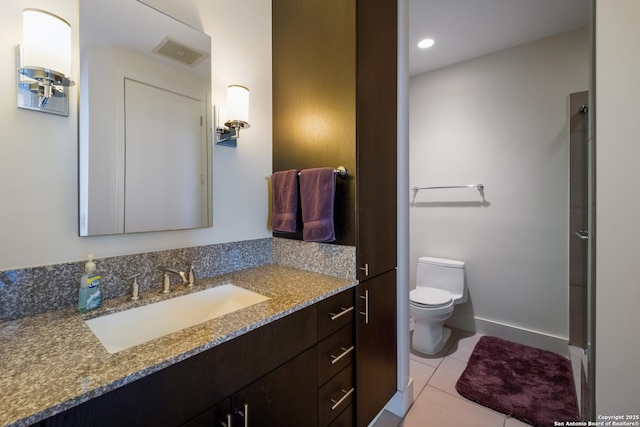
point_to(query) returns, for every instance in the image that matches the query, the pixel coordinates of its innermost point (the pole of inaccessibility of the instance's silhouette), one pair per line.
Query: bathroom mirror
(144, 120)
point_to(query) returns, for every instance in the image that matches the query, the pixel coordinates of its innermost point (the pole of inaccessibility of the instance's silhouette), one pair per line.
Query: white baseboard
(401, 401)
(517, 334)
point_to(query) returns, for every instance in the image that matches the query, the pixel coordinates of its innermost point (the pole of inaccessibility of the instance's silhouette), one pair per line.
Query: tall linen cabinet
(334, 104)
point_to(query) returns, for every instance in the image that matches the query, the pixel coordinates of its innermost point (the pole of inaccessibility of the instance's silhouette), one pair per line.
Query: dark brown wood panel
(286, 397)
(376, 341)
(314, 92)
(345, 419)
(216, 416)
(376, 136)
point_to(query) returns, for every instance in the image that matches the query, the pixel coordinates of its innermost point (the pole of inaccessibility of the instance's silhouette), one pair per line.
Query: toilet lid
(430, 297)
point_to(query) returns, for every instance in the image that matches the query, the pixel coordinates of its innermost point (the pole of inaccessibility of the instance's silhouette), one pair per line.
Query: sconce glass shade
(46, 41)
(238, 106)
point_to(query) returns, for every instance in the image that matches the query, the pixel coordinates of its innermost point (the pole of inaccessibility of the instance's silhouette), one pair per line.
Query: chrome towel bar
(479, 187)
(340, 171)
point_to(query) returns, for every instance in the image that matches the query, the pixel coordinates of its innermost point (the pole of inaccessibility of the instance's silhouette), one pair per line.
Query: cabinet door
(376, 358)
(166, 398)
(286, 397)
(218, 416)
(376, 137)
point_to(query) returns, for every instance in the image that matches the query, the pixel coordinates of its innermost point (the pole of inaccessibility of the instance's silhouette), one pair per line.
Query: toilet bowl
(439, 286)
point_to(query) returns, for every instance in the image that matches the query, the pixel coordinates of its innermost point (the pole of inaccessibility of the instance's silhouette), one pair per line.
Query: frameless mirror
(144, 120)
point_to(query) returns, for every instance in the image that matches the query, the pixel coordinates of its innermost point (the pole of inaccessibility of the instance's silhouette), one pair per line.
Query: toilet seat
(430, 297)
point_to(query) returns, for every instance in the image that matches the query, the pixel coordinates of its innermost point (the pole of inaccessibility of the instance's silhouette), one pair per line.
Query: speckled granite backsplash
(30, 291)
(333, 260)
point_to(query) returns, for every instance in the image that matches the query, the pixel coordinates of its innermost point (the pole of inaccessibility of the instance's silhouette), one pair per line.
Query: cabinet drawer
(335, 353)
(335, 396)
(334, 313)
(345, 419)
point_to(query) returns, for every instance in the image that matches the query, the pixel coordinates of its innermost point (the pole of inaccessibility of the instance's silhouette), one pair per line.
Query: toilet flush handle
(582, 234)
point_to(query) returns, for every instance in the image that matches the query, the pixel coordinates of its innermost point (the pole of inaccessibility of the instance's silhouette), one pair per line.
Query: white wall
(617, 315)
(501, 119)
(38, 152)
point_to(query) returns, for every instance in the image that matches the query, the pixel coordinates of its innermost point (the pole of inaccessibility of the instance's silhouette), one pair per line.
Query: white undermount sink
(119, 331)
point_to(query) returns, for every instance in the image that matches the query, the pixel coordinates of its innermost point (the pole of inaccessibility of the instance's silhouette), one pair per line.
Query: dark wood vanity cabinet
(285, 397)
(284, 349)
(295, 371)
(335, 103)
(221, 415)
(315, 388)
(376, 337)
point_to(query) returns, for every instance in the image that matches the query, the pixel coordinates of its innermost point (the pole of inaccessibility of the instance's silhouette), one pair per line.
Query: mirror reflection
(144, 120)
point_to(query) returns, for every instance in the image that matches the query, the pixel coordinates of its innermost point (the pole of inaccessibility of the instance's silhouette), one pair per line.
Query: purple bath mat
(532, 385)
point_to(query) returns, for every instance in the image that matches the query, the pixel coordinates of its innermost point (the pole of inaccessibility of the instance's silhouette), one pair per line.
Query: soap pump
(90, 295)
(135, 288)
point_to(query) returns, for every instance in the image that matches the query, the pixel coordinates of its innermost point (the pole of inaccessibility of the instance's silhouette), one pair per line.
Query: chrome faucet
(166, 282)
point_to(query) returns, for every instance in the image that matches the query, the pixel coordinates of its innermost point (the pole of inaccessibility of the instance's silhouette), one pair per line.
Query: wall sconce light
(229, 121)
(44, 63)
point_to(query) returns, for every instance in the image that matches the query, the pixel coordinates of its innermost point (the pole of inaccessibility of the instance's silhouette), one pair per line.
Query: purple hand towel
(285, 200)
(317, 193)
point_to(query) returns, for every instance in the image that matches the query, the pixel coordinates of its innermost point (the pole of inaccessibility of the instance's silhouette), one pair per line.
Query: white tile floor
(436, 401)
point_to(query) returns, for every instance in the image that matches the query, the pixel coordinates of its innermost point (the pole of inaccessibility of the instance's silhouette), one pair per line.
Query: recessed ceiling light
(423, 44)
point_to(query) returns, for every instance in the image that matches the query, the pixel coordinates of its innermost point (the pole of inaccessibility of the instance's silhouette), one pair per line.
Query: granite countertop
(51, 362)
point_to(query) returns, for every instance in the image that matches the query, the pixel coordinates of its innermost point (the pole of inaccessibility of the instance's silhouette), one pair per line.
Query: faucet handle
(166, 283)
(135, 289)
(192, 278)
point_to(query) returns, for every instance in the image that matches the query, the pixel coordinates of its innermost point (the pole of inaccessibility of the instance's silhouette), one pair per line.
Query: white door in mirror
(164, 143)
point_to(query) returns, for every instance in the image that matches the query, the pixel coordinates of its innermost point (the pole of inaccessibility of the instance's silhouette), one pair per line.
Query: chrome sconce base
(227, 134)
(42, 89)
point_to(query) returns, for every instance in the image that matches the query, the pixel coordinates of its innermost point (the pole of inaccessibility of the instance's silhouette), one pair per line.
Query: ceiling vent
(181, 53)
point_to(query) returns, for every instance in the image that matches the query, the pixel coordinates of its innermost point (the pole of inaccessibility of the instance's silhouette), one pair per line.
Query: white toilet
(439, 286)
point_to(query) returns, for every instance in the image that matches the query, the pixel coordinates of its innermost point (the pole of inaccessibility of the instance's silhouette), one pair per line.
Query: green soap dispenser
(90, 296)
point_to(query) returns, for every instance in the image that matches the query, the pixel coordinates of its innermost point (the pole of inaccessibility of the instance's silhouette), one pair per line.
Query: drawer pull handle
(337, 403)
(244, 415)
(345, 351)
(343, 311)
(365, 269)
(365, 313)
(228, 423)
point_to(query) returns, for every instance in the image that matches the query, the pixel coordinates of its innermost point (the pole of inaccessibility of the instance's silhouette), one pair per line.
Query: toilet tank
(440, 273)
